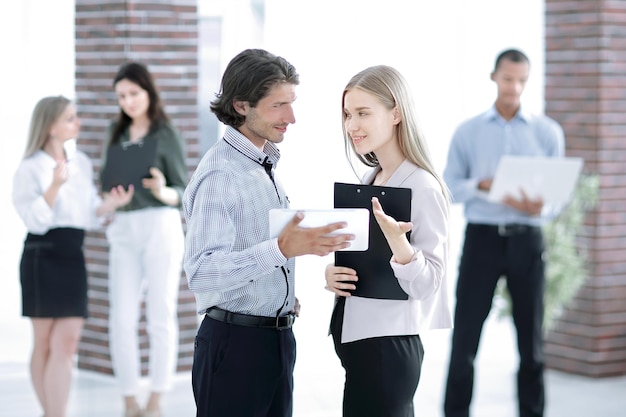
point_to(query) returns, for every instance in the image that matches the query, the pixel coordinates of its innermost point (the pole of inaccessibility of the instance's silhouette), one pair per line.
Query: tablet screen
(356, 219)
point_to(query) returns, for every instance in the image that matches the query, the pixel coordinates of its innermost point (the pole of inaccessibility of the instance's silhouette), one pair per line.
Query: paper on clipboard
(128, 163)
(357, 221)
(552, 179)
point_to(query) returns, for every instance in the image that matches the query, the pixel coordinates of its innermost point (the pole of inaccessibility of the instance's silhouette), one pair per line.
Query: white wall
(37, 44)
(446, 50)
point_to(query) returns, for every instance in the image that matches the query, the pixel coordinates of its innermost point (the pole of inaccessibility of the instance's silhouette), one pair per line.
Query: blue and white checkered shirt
(230, 260)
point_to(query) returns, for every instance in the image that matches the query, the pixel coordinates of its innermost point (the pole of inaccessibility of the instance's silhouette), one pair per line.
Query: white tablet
(552, 179)
(357, 219)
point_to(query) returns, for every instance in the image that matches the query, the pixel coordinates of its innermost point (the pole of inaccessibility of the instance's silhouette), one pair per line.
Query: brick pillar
(586, 93)
(164, 36)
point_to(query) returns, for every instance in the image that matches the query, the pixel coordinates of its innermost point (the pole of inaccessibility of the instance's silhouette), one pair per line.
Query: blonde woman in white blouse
(54, 194)
(378, 340)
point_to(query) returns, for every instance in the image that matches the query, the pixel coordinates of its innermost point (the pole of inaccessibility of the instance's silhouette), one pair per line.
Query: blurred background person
(501, 238)
(54, 194)
(146, 243)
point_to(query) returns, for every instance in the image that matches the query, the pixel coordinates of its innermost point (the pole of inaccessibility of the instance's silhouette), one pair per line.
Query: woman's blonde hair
(46, 113)
(389, 86)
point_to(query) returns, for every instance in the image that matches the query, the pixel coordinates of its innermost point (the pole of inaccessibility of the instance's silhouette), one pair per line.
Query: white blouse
(76, 203)
(424, 278)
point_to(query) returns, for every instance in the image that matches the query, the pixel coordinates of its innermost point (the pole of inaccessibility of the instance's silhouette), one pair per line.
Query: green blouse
(170, 160)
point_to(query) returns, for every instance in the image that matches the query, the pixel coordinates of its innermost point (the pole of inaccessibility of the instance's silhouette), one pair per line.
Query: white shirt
(76, 203)
(424, 278)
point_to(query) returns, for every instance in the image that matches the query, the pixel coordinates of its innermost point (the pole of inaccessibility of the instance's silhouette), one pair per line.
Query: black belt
(279, 323)
(509, 229)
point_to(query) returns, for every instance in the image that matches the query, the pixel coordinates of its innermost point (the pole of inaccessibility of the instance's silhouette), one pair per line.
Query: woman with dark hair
(146, 243)
(54, 194)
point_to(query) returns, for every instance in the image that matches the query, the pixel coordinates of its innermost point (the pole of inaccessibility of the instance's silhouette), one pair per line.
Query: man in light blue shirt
(501, 239)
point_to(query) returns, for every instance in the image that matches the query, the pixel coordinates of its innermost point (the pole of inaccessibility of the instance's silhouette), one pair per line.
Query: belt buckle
(502, 230)
(291, 318)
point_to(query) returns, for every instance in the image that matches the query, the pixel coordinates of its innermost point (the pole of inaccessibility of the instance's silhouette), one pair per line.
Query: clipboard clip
(382, 192)
(126, 145)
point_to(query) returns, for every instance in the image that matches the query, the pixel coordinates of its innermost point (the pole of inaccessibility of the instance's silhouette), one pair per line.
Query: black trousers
(243, 371)
(487, 255)
(382, 373)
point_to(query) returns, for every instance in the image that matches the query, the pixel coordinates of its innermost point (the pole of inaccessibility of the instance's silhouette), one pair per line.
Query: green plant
(566, 260)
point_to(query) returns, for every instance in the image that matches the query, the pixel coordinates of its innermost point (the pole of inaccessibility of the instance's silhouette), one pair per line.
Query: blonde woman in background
(54, 194)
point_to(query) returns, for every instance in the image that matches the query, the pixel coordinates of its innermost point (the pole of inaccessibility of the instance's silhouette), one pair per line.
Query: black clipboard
(376, 277)
(128, 163)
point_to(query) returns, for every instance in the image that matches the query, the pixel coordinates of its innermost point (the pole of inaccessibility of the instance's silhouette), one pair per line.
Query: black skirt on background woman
(53, 274)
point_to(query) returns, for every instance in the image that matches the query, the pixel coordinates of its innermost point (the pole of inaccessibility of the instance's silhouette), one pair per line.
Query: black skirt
(53, 274)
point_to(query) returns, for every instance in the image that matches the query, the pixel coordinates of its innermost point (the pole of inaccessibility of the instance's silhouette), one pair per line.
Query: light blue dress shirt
(475, 151)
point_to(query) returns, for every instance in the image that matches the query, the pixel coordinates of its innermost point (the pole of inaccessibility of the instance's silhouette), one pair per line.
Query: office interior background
(445, 49)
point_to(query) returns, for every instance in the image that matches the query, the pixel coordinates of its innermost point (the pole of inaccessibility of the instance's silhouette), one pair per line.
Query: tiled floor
(319, 382)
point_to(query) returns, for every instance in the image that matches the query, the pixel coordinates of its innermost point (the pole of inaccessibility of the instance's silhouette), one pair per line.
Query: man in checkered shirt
(242, 279)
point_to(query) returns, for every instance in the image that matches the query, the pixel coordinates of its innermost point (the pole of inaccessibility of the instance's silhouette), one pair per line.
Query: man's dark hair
(513, 55)
(249, 77)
